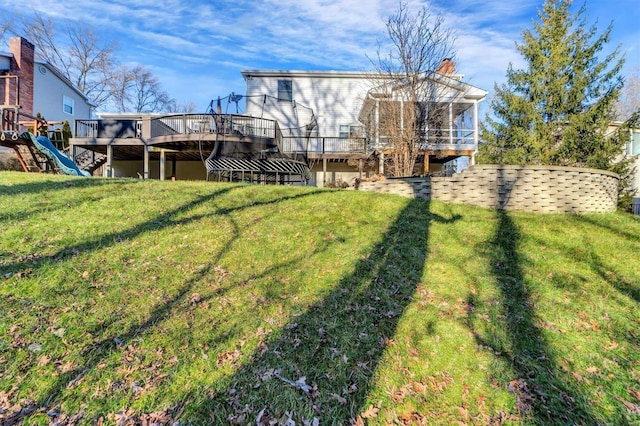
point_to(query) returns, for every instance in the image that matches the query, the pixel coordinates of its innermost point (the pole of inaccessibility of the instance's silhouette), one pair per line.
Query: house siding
(334, 98)
(48, 94)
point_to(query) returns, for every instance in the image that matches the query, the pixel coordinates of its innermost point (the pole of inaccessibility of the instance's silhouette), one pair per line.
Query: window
(67, 105)
(346, 131)
(285, 90)
(633, 148)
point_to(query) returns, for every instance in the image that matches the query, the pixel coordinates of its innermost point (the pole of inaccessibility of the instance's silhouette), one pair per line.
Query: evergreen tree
(558, 109)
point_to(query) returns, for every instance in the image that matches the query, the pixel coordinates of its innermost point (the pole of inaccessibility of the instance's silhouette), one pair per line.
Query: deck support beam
(163, 160)
(145, 163)
(109, 170)
(324, 171)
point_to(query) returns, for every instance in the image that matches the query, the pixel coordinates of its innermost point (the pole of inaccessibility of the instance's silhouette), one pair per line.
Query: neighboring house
(632, 151)
(29, 87)
(56, 98)
(38, 87)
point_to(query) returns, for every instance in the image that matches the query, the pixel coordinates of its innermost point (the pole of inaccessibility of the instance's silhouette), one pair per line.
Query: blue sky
(198, 48)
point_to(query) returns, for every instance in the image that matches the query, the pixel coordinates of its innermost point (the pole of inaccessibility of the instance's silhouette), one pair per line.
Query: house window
(633, 148)
(67, 105)
(347, 131)
(285, 90)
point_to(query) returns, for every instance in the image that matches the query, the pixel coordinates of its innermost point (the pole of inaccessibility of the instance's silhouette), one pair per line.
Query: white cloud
(199, 47)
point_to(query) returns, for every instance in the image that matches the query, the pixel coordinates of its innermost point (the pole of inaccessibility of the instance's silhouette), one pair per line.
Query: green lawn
(133, 302)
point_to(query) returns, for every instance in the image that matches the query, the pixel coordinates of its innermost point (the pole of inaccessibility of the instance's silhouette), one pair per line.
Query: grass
(127, 301)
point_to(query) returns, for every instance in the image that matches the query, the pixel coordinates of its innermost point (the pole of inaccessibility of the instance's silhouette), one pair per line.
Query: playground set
(38, 144)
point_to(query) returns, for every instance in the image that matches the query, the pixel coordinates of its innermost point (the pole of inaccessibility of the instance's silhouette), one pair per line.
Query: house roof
(466, 92)
(454, 81)
(303, 73)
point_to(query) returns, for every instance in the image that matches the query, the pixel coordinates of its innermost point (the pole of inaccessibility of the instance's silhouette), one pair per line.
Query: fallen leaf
(195, 298)
(419, 387)
(43, 360)
(633, 408)
(370, 413)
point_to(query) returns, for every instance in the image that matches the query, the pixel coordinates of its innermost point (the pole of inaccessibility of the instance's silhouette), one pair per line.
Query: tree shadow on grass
(92, 355)
(335, 344)
(54, 185)
(165, 221)
(48, 194)
(543, 391)
(620, 229)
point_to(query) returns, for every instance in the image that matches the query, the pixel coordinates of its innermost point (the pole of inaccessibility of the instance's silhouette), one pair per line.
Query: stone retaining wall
(544, 189)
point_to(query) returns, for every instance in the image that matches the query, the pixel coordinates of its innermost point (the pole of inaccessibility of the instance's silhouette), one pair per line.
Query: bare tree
(121, 83)
(138, 90)
(628, 103)
(185, 107)
(5, 29)
(90, 64)
(80, 55)
(408, 85)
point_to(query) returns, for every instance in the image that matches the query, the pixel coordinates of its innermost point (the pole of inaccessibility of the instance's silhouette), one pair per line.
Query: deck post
(450, 123)
(476, 135)
(163, 160)
(324, 170)
(378, 124)
(109, 160)
(145, 163)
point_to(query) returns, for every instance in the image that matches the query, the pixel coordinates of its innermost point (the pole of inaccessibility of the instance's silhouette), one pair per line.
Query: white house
(56, 98)
(633, 150)
(298, 126)
(325, 114)
(29, 87)
(38, 87)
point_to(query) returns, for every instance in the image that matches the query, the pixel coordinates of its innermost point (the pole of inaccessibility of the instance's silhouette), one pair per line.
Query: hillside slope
(140, 301)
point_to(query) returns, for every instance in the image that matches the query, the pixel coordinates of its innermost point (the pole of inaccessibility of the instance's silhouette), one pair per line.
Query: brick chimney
(447, 66)
(24, 55)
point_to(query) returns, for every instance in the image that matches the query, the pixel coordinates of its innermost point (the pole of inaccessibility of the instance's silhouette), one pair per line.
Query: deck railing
(108, 128)
(440, 140)
(320, 145)
(178, 124)
(214, 123)
(240, 125)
